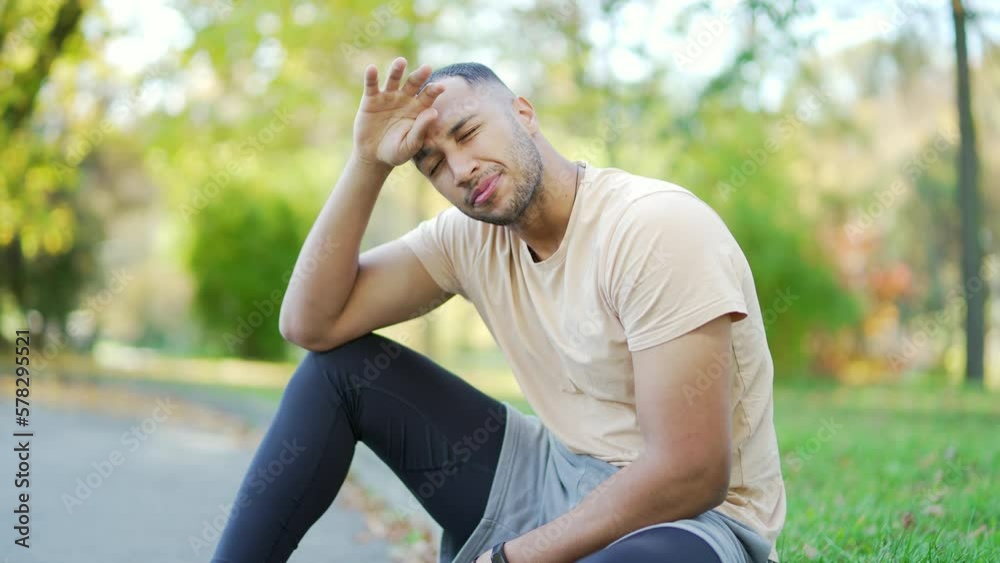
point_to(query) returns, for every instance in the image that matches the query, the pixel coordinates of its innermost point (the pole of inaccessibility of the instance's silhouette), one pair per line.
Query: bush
(244, 248)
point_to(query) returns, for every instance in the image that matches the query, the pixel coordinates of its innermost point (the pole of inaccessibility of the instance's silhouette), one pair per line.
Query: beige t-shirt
(642, 261)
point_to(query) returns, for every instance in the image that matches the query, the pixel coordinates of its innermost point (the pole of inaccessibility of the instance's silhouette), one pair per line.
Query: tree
(38, 209)
(969, 204)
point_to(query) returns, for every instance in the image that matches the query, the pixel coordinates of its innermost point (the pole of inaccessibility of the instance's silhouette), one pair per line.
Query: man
(627, 312)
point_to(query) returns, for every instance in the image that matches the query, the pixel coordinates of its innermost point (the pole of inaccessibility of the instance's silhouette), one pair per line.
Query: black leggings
(438, 434)
(657, 545)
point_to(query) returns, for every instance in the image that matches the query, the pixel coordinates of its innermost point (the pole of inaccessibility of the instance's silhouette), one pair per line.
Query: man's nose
(466, 172)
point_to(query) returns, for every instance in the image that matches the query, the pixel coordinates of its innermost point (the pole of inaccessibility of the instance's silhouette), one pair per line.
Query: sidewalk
(367, 470)
(166, 499)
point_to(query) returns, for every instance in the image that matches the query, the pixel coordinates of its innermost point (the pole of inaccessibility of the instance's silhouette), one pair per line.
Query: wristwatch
(498, 554)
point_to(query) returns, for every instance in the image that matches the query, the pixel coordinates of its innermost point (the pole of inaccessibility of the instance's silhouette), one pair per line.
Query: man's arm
(334, 295)
(684, 469)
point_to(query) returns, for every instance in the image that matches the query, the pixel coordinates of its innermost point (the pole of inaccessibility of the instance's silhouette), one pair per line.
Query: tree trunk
(31, 80)
(974, 286)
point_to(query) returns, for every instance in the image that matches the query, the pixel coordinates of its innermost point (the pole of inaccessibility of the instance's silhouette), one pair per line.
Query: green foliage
(244, 245)
(48, 232)
(54, 282)
(250, 64)
(798, 290)
(35, 202)
(45, 261)
(932, 174)
(739, 162)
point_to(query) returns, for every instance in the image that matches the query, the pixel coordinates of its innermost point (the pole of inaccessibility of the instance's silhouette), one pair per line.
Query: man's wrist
(371, 165)
(498, 554)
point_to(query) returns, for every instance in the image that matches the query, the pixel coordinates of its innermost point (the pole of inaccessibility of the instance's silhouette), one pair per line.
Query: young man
(627, 312)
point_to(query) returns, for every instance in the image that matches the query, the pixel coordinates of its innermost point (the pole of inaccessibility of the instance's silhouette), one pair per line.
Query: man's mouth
(484, 190)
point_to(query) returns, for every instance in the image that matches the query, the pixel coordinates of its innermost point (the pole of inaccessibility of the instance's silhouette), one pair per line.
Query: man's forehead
(458, 100)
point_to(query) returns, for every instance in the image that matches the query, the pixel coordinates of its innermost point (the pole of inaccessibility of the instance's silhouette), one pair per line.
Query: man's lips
(485, 189)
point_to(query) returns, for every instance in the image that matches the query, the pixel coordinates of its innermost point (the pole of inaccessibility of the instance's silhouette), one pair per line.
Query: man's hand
(390, 125)
(485, 557)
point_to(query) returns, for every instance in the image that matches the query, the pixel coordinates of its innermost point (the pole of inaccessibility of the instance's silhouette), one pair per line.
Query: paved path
(165, 492)
(367, 469)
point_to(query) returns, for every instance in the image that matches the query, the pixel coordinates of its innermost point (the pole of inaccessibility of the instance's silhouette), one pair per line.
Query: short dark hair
(474, 74)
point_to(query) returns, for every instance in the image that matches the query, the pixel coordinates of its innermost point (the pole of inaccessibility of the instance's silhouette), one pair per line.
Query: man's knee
(346, 350)
(359, 362)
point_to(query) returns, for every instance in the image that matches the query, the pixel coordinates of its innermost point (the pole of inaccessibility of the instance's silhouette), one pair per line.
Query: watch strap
(498, 555)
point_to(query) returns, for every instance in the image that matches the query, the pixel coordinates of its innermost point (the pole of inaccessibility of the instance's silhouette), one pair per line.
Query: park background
(162, 161)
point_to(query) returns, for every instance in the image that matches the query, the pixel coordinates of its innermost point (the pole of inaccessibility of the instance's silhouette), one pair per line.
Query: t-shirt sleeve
(673, 266)
(435, 242)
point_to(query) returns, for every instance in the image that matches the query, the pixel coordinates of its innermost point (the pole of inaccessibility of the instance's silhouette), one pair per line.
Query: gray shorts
(539, 479)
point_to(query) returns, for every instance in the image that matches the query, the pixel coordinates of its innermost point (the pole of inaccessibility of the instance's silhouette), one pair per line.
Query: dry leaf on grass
(934, 510)
(907, 520)
(982, 529)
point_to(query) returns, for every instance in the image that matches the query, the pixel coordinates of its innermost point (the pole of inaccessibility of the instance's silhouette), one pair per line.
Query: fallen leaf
(928, 460)
(907, 520)
(934, 510)
(810, 551)
(978, 531)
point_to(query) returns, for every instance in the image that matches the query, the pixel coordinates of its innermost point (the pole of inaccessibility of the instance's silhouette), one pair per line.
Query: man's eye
(468, 134)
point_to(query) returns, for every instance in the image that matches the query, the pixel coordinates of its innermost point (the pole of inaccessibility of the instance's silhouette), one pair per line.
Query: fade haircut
(475, 74)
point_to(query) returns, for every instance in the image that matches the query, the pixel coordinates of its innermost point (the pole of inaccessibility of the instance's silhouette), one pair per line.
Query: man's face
(479, 156)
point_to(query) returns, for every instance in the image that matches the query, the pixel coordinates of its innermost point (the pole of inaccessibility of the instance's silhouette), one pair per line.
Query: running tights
(420, 420)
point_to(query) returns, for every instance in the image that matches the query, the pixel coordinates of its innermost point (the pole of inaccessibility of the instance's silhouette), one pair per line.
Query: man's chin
(500, 218)
(492, 219)
(492, 213)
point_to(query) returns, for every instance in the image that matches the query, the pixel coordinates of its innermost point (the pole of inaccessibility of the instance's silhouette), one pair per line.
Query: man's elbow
(311, 343)
(300, 335)
(716, 487)
(707, 483)
(714, 481)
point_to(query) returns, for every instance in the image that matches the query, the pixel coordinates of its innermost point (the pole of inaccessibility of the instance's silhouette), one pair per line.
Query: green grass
(905, 474)
(900, 474)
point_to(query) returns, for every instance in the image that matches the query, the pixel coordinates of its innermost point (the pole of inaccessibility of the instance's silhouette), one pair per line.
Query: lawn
(872, 474)
(900, 474)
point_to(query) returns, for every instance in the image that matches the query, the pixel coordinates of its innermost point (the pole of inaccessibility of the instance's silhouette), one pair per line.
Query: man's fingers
(430, 93)
(395, 74)
(371, 80)
(415, 137)
(416, 80)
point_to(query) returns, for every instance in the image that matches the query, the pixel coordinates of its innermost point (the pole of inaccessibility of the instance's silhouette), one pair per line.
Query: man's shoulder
(623, 189)
(471, 235)
(625, 195)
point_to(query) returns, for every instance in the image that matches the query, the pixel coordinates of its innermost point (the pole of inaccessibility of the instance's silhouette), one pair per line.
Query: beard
(527, 183)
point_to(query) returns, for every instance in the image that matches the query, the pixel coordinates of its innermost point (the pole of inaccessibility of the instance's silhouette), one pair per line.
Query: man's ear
(525, 113)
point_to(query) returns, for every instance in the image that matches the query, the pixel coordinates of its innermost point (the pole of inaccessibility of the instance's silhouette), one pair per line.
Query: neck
(544, 224)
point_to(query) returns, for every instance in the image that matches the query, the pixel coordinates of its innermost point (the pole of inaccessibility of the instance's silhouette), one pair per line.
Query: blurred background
(162, 161)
